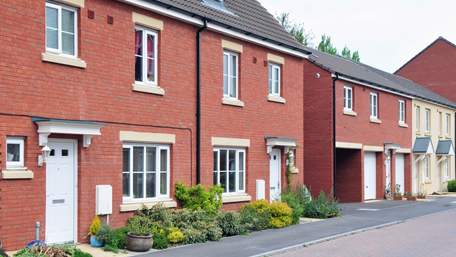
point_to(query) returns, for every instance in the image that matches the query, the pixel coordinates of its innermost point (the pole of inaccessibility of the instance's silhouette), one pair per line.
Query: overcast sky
(387, 33)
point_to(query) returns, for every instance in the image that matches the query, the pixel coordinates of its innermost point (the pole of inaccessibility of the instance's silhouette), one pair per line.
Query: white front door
(60, 191)
(388, 172)
(370, 171)
(400, 171)
(415, 178)
(274, 175)
(438, 177)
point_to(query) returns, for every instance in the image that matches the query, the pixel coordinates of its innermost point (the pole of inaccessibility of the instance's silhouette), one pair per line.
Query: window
(145, 172)
(417, 118)
(401, 111)
(447, 168)
(146, 56)
(373, 105)
(440, 123)
(447, 125)
(426, 167)
(14, 152)
(427, 119)
(274, 79)
(229, 169)
(61, 27)
(230, 75)
(348, 98)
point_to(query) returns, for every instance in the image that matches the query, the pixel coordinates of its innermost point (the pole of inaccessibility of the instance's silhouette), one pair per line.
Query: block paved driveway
(433, 235)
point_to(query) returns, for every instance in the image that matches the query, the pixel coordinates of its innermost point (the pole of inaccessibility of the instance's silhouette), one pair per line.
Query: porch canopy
(280, 141)
(47, 126)
(444, 150)
(422, 147)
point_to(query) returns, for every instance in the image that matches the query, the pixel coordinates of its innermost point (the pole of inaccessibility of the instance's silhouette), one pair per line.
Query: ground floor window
(229, 169)
(14, 152)
(145, 172)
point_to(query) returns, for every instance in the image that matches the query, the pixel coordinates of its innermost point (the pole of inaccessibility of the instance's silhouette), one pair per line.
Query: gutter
(334, 134)
(198, 102)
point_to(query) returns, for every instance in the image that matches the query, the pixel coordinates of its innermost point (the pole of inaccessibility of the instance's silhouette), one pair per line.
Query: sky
(387, 33)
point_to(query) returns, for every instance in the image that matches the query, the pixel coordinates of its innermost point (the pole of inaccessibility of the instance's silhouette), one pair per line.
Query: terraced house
(107, 104)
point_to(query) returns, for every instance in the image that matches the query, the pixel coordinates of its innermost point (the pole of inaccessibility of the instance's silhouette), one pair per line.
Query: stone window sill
(236, 198)
(351, 113)
(63, 60)
(276, 99)
(448, 137)
(372, 120)
(17, 174)
(418, 133)
(427, 181)
(427, 134)
(135, 206)
(233, 102)
(403, 125)
(148, 89)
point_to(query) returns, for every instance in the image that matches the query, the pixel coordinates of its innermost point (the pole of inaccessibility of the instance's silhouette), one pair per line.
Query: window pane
(223, 180)
(163, 160)
(232, 160)
(215, 160)
(126, 184)
(225, 74)
(241, 171)
(151, 185)
(233, 68)
(233, 92)
(241, 180)
(126, 159)
(13, 152)
(223, 164)
(52, 39)
(151, 159)
(67, 43)
(67, 21)
(270, 79)
(345, 98)
(138, 182)
(163, 184)
(150, 58)
(241, 161)
(138, 158)
(232, 182)
(138, 56)
(215, 178)
(277, 79)
(52, 15)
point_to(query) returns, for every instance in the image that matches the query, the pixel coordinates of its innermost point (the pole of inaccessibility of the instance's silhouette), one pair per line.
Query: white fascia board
(217, 28)
(372, 86)
(434, 103)
(69, 128)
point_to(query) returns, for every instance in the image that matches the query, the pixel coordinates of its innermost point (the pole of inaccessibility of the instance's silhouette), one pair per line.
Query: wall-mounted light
(45, 155)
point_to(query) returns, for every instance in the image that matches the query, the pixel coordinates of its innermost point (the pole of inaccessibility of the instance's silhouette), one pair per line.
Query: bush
(121, 236)
(322, 207)
(197, 197)
(296, 199)
(95, 226)
(267, 215)
(254, 220)
(175, 237)
(230, 223)
(160, 241)
(51, 250)
(281, 215)
(451, 186)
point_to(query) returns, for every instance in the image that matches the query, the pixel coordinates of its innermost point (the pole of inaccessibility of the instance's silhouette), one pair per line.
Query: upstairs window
(447, 130)
(426, 167)
(230, 75)
(373, 106)
(401, 111)
(440, 123)
(146, 56)
(14, 152)
(417, 118)
(274, 79)
(61, 30)
(348, 98)
(427, 119)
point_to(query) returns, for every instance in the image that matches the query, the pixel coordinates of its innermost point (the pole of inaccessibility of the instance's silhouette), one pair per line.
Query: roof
(435, 41)
(245, 16)
(423, 145)
(367, 74)
(445, 147)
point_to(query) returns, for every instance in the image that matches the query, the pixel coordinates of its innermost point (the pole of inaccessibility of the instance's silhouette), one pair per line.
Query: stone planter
(397, 198)
(388, 197)
(139, 243)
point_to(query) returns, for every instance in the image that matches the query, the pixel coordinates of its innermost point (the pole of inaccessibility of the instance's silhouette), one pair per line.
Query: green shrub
(175, 237)
(51, 250)
(95, 226)
(275, 215)
(197, 197)
(254, 220)
(121, 236)
(296, 199)
(281, 215)
(230, 223)
(139, 224)
(451, 186)
(322, 207)
(160, 241)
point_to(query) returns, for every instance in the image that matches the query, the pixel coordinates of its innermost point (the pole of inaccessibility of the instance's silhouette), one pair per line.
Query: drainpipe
(198, 102)
(37, 231)
(334, 134)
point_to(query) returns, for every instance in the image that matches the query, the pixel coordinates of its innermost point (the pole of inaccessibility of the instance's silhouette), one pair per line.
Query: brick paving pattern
(429, 236)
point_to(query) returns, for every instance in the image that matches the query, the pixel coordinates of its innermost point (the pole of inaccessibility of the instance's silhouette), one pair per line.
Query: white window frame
(401, 111)
(448, 120)
(58, 51)
(447, 173)
(13, 164)
(440, 123)
(427, 120)
(348, 98)
(373, 105)
(238, 150)
(417, 118)
(426, 167)
(145, 33)
(272, 79)
(158, 195)
(228, 94)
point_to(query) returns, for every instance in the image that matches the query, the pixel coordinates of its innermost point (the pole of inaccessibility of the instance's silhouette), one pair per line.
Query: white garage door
(400, 171)
(369, 176)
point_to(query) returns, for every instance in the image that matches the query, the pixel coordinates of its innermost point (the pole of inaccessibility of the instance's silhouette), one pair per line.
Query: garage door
(400, 171)
(369, 176)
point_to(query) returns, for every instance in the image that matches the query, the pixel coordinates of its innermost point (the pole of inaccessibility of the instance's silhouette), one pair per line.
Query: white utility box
(104, 200)
(260, 189)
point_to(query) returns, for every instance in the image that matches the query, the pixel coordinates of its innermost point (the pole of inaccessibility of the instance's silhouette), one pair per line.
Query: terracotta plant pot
(411, 198)
(397, 198)
(421, 197)
(139, 243)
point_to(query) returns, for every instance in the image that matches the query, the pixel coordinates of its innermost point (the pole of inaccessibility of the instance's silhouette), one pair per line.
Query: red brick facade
(102, 92)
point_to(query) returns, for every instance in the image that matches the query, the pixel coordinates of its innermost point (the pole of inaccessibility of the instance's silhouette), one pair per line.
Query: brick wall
(349, 175)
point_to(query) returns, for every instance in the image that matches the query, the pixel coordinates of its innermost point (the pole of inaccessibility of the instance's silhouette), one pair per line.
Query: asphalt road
(357, 217)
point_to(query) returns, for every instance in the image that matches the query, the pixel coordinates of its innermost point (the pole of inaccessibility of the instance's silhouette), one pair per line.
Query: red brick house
(132, 96)
(358, 128)
(434, 68)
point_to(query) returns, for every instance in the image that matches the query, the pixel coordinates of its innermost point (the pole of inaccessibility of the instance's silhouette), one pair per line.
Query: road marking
(453, 202)
(364, 209)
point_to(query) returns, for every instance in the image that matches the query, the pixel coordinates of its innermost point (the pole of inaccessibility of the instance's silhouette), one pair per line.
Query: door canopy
(286, 142)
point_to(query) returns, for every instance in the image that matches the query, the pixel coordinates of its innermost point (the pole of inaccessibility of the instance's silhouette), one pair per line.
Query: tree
(296, 29)
(327, 47)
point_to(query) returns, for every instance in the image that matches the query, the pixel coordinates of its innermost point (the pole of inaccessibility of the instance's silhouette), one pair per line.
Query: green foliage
(104, 233)
(253, 220)
(197, 197)
(2, 252)
(322, 207)
(327, 47)
(95, 226)
(51, 250)
(121, 236)
(275, 215)
(175, 237)
(160, 241)
(139, 225)
(230, 223)
(296, 29)
(295, 199)
(397, 191)
(451, 186)
(281, 215)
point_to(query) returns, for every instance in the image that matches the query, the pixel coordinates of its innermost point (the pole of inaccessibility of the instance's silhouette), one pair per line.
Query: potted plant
(421, 195)
(397, 193)
(139, 239)
(93, 231)
(410, 196)
(388, 195)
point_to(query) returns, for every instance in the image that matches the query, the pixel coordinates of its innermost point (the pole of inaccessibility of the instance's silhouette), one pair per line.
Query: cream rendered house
(433, 146)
